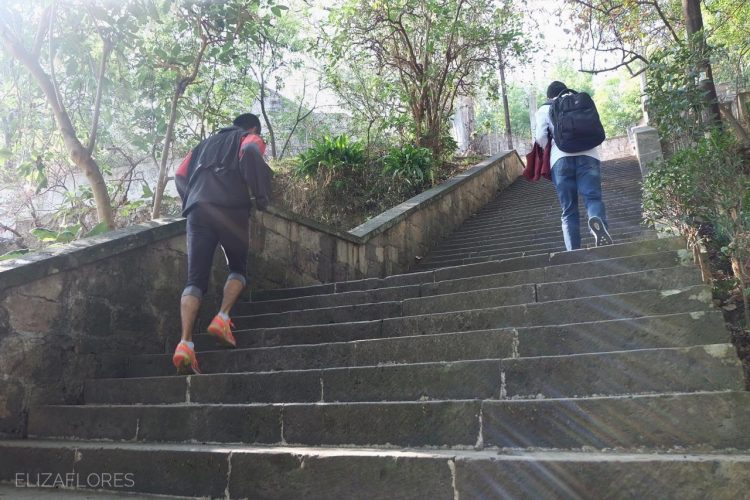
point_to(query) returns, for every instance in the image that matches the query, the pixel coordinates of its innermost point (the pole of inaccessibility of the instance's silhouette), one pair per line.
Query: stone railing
(647, 147)
(72, 313)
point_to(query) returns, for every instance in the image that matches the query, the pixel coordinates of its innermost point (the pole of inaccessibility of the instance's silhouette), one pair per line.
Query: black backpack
(576, 122)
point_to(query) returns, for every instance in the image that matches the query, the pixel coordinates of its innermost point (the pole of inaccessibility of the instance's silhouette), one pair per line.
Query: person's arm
(542, 126)
(255, 171)
(181, 176)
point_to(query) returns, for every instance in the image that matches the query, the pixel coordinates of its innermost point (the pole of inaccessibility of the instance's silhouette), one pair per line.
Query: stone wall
(70, 313)
(288, 250)
(65, 313)
(617, 147)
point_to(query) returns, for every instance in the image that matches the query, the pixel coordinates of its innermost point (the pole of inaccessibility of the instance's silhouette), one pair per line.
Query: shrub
(703, 192)
(331, 154)
(411, 164)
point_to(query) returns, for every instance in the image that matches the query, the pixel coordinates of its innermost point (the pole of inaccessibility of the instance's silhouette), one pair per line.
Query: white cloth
(543, 124)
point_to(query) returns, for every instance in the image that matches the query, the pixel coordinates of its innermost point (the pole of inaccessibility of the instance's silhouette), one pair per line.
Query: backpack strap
(566, 91)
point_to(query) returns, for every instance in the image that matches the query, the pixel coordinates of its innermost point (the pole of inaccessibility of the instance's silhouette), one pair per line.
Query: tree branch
(98, 99)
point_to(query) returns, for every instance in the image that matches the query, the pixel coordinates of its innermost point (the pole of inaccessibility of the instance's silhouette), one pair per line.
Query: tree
(273, 51)
(33, 58)
(517, 48)
(432, 49)
(622, 32)
(697, 42)
(727, 26)
(619, 103)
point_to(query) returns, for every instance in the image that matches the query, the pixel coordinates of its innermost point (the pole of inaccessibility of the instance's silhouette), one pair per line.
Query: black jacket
(220, 173)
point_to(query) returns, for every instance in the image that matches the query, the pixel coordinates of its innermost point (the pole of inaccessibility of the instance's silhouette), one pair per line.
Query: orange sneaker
(222, 330)
(184, 360)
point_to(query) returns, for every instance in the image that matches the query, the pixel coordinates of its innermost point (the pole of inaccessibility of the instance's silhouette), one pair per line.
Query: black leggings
(210, 225)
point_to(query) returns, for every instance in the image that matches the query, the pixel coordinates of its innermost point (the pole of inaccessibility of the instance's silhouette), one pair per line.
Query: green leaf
(14, 254)
(65, 237)
(44, 235)
(100, 228)
(276, 9)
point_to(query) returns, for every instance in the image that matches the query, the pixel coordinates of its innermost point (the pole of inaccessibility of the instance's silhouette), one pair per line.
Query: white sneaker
(599, 230)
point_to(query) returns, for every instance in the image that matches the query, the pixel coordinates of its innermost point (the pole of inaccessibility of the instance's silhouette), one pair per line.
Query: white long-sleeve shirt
(543, 124)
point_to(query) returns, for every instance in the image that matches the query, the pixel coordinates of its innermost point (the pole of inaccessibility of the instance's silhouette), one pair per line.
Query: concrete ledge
(647, 147)
(49, 261)
(391, 217)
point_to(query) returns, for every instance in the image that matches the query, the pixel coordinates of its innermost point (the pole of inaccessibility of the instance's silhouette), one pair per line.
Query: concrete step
(400, 327)
(517, 300)
(527, 248)
(509, 239)
(563, 272)
(389, 294)
(701, 368)
(675, 278)
(671, 278)
(690, 421)
(315, 473)
(458, 260)
(558, 258)
(501, 222)
(526, 230)
(520, 294)
(340, 345)
(523, 312)
(500, 343)
(537, 275)
(601, 308)
(418, 277)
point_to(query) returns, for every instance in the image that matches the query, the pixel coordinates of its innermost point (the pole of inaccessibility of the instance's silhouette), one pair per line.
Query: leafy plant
(410, 163)
(64, 235)
(703, 192)
(674, 99)
(332, 154)
(14, 254)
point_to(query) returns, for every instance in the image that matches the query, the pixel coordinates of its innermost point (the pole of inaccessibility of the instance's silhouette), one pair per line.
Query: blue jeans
(572, 175)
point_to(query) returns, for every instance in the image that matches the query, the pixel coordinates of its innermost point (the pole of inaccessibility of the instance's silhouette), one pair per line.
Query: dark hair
(554, 89)
(247, 121)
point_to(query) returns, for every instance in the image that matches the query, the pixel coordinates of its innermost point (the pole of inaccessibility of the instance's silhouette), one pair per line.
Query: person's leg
(235, 242)
(589, 179)
(201, 244)
(232, 290)
(564, 178)
(590, 187)
(190, 304)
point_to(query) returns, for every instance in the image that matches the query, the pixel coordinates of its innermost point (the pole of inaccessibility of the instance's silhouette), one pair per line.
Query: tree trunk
(78, 152)
(98, 99)
(182, 85)
(739, 132)
(694, 25)
(161, 182)
(504, 93)
(271, 135)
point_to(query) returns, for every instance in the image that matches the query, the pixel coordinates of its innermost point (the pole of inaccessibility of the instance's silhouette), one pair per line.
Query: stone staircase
(525, 220)
(599, 373)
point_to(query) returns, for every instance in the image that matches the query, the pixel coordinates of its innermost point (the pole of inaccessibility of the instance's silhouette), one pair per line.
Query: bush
(412, 164)
(331, 154)
(703, 192)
